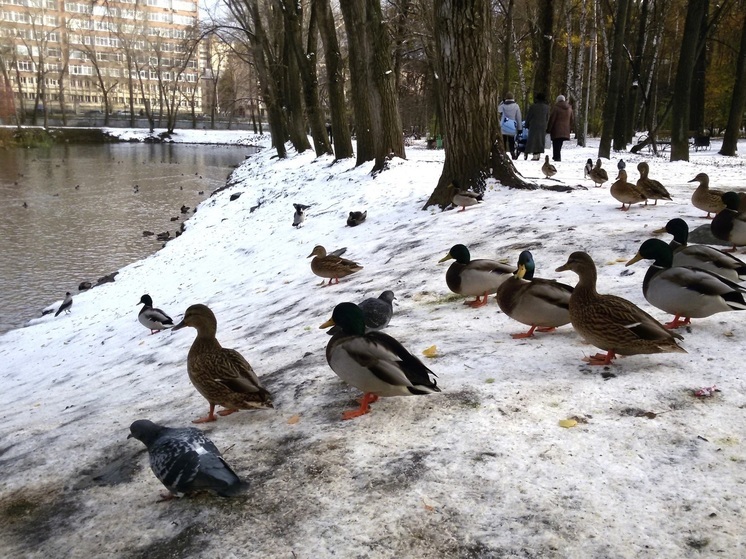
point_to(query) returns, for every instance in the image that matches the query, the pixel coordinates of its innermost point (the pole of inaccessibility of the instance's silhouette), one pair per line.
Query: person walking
(511, 122)
(560, 125)
(537, 120)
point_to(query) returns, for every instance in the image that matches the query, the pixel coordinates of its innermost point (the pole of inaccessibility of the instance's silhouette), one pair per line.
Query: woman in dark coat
(560, 125)
(537, 120)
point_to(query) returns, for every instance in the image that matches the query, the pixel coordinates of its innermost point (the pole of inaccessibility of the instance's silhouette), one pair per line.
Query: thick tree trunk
(738, 101)
(696, 10)
(615, 80)
(697, 105)
(469, 93)
(508, 45)
(335, 81)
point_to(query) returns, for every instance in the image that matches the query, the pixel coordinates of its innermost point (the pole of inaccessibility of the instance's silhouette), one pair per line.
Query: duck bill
(520, 272)
(446, 257)
(693, 180)
(328, 324)
(635, 258)
(562, 268)
(659, 231)
(179, 326)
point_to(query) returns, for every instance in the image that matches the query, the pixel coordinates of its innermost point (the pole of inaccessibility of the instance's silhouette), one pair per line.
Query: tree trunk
(335, 80)
(738, 101)
(697, 103)
(545, 39)
(469, 94)
(696, 10)
(614, 90)
(508, 45)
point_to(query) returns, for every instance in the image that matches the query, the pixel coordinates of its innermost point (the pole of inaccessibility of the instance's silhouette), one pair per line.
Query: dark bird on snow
(356, 218)
(300, 214)
(185, 461)
(155, 319)
(66, 304)
(377, 312)
(588, 168)
(621, 165)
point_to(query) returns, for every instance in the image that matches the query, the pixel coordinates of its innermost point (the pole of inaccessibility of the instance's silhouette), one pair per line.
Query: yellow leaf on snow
(431, 352)
(294, 419)
(567, 423)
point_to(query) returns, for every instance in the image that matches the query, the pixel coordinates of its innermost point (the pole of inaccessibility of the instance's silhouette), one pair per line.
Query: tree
(615, 79)
(544, 39)
(468, 90)
(738, 100)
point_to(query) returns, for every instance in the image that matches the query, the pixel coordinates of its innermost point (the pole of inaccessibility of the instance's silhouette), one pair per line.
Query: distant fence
(124, 122)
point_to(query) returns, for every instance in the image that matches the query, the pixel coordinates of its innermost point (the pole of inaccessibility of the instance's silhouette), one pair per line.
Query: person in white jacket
(511, 122)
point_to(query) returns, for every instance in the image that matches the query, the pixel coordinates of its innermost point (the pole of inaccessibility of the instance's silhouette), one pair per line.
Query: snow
(482, 469)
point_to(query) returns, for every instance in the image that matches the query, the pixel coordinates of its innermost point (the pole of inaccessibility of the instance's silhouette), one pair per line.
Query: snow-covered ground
(482, 470)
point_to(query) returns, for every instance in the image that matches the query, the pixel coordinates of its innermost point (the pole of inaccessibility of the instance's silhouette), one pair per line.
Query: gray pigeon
(300, 214)
(588, 167)
(377, 312)
(621, 165)
(186, 461)
(66, 304)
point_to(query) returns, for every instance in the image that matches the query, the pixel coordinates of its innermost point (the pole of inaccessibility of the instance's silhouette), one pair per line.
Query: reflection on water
(86, 209)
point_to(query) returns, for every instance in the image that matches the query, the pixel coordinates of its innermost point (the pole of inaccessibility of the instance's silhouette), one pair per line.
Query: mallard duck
(356, 218)
(477, 278)
(588, 168)
(374, 362)
(155, 319)
(705, 198)
(221, 375)
(539, 303)
(626, 192)
(730, 225)
(702, 256)
(464, 198)
(67, 302)
(652, 189)
(683, 291)
(547, 168)
(300, 214)
(612, 323)
(185, 460)
(598, 175)
(331, 266)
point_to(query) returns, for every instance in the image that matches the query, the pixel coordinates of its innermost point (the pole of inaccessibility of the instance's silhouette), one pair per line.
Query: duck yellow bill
(659, 231)
(446, 257)
(328, 324)
(635, 258)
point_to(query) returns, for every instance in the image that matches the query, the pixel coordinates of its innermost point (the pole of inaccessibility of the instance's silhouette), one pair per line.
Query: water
(84, 219)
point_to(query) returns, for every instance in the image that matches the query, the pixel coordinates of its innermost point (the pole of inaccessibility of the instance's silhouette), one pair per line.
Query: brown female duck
(221, 375)
(652, 189)
(330, 266)
(706, 199)
(626, 192)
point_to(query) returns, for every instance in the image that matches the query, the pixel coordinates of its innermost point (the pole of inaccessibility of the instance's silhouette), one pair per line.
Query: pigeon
(155, 319)
(377, 312)
(300, 214)
(621, 165)
(66, 304)
(356, 218)
(185, 461)
(588, 168)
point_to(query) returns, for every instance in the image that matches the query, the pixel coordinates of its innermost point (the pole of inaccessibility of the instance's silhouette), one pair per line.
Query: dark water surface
(84, 219)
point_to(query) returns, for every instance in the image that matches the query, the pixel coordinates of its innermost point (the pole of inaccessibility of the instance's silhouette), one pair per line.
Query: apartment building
(85, 57)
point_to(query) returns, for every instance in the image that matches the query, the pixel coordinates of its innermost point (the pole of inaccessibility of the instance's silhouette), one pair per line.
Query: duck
(478, 278)
(299, 216)
(541, 304)
(685, 292)
(626, 192)
(223, 376)
(185, 461)
(373, 362)
(464, 198)
(67, 302)
(729, 224)
(598, 175)
(588, 168)
(155, 319)
(356, 218)
(547, 168)
(377, 312)
(652, 189)
(702, 256)
(331, 266)
(705, 198)
(613, 324)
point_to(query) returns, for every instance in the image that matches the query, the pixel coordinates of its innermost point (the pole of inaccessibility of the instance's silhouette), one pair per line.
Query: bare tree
(738, 99)
(618, 60)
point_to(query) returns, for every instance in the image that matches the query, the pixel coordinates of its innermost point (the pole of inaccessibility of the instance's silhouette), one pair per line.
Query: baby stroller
(520, 142)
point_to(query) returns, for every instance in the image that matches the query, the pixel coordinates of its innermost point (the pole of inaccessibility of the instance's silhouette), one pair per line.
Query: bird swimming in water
(300, 214)
(185, 460)
(66, 304)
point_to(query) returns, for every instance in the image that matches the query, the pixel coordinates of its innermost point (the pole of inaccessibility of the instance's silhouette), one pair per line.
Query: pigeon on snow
(356, 218)
(185, 461)
(66, 304)
(377, 312)
(621, 165)
(155, 319)
(588, 168)
(300, 214)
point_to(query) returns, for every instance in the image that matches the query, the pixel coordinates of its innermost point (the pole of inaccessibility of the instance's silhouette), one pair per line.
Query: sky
(483, 469)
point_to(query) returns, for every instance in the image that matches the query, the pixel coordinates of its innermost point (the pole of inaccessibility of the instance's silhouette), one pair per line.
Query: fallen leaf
(648, 414)
(567, 423)
(294, 419)
(431, 352)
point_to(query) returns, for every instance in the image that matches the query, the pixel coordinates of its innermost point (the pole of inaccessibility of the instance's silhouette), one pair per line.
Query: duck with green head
(730, 224)
(374, 363)
(611, 323)
(478, 278)
(682, 291)
(539, 303)
(701, 256)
